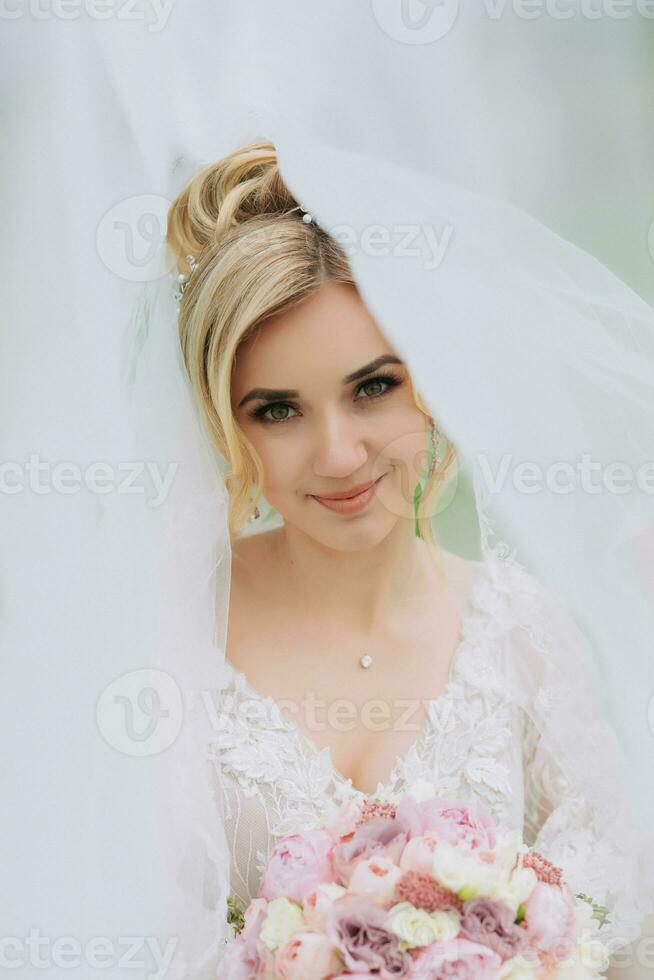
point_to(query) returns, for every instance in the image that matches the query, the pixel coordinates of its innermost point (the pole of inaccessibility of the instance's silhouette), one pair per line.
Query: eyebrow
(275, 394)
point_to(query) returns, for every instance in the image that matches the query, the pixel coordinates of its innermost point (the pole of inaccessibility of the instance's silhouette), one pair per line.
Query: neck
(360, 589)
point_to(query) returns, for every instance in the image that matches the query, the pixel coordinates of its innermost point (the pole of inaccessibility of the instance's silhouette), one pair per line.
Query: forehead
(329, 334)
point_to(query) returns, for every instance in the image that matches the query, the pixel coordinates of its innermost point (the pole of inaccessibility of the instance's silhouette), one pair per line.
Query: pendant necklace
(366, 661)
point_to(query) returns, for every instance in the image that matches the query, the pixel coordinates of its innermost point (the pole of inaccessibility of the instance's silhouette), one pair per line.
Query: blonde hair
(255, 258)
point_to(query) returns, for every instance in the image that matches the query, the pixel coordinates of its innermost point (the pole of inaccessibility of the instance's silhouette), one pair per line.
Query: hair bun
(239, 186)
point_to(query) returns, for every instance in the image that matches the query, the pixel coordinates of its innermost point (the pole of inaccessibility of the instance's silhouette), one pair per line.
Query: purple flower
(356, 927)
(485, 920)
(380, 833)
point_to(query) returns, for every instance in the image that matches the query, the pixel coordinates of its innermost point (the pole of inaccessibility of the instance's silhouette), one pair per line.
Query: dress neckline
(471, 613)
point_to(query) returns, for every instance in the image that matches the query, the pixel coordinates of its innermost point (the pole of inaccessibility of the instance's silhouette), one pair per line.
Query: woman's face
(338, 412)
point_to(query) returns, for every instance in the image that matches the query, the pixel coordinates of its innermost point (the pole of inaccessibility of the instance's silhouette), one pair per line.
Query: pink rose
(418, 854)
(307, 956)
(550, 919)
(455, 959)
(297, 864)
(318, 902)
(375, 877)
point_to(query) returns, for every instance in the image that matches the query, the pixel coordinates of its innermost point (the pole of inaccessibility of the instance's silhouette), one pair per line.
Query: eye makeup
(390, 380)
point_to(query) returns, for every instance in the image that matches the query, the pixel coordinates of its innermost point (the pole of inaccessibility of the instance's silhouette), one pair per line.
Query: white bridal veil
(539, 364)
(535, 358)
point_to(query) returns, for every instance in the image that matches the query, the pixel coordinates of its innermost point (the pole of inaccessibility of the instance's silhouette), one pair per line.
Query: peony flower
(241, 960)
(415, 927)
(487, 921)
(318, 902)
(520, 968)
(297, 864)
(236, 963)
(458, 823)
(358, 929)
(346, 819)
(418, 853)
(456, 869)
(471, 824)
(283, 918)
(550, 920)
(253, 920)
(377, 835)
(376, 877)
(590, 955)
(456, 959)
(307, 956)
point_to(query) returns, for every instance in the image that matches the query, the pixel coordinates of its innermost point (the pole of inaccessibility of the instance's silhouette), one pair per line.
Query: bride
(361, 655)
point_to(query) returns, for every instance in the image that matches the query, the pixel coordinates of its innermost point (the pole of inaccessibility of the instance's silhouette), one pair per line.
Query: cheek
(402, 435)
(280, 461)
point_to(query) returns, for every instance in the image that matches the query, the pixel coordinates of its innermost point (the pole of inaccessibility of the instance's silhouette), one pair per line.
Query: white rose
(516, 891)
(455, 869)
(417, 927)
(283, 918)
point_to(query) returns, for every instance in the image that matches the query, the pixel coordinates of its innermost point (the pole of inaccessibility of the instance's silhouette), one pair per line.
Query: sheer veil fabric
(523, 347)
(526, 349)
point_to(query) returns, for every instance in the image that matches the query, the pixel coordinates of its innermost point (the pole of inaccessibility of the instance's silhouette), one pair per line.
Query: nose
(340, 448)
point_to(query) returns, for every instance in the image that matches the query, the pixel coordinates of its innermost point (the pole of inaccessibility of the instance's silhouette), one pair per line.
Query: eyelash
(392, 380)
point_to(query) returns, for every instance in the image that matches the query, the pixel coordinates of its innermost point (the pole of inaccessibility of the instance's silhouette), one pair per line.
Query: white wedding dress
(269, 779)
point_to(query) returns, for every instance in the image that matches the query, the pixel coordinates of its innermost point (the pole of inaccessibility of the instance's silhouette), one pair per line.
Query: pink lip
(353, 504)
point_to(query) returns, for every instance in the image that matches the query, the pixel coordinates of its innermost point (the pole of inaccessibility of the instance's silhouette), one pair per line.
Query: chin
(353, 534)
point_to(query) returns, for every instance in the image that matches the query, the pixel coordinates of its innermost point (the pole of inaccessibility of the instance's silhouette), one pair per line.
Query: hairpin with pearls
(182, 278)
(306, 216)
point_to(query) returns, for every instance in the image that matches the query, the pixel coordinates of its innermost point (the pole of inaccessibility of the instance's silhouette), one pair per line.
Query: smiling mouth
(348, 494)
(352, 504)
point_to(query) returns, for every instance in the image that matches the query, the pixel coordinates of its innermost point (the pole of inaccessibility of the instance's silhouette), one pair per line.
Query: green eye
(386, 381)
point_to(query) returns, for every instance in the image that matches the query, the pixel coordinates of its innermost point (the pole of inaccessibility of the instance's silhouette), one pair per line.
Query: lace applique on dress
(479, 742)
(276, 781)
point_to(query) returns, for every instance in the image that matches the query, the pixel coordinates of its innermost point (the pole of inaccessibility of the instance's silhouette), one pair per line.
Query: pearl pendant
(366, 661)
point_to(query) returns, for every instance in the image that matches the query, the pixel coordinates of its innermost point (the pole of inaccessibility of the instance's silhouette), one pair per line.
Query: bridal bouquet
(422, 888)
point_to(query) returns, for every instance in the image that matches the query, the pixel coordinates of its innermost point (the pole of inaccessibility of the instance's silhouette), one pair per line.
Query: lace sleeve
(562, 824)
(577, 806)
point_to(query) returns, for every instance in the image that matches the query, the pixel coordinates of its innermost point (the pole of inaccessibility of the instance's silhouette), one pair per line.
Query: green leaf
(235, 914)
(600, 912)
